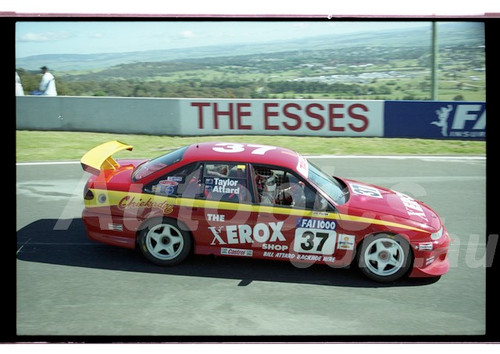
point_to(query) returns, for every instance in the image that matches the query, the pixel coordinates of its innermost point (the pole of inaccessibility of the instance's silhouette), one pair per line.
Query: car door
(299, 222)
(211, 200)
(223, 209)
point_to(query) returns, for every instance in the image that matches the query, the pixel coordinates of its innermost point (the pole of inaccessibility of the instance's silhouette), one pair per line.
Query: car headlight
(437, 235)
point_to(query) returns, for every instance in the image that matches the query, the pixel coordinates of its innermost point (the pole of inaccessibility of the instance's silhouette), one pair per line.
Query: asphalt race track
(68, 285)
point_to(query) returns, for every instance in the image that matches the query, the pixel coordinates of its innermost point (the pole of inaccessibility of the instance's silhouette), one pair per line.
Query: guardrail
(173, 116)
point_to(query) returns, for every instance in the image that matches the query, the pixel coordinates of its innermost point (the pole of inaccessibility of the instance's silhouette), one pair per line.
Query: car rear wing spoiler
(99, 158)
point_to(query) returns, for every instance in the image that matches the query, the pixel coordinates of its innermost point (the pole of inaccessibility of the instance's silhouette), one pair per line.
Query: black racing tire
(164, 243)
(384, 258)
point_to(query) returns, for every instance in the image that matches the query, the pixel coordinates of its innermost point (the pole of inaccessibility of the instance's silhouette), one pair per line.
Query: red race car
(257, 201)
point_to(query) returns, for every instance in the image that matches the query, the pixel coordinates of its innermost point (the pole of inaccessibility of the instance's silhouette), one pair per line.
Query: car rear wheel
(384, 258)
(165, 243)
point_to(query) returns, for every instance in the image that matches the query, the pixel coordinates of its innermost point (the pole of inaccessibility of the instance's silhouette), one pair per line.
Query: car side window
(184, 182)
(226, 182)
(278, 187)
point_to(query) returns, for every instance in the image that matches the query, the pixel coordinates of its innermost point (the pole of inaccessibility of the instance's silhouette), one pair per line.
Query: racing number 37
(235, 148)
(316, 241)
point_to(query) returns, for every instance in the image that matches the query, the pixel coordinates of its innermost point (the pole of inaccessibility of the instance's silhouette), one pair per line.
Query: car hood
(379, 202)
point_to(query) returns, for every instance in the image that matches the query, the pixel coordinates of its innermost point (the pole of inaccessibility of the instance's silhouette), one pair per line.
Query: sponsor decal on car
(236, 252)
(222, 185)
(244, 233)
(128, 202)
(301, 257)
(302, 165)
(346, 242)
(316, 224)
(178, 179)
(115, 227)
(279, 255)
(429, 260)
(216, 217)
(316, 241)
(315, 236)
(165, 187)
(412, 206)
(425, 246)
(361, 189)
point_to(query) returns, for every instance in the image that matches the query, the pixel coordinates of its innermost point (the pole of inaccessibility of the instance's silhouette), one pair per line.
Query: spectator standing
(47, 86)
(19, 86)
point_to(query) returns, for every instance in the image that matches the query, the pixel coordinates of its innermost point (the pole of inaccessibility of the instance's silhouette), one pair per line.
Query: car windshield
(328, 184)
(158, 163)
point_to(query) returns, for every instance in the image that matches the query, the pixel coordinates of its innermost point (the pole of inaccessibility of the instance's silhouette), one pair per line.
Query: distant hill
(449, 33)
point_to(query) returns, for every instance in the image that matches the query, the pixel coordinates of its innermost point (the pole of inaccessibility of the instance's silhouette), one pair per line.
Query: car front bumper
(431, 257)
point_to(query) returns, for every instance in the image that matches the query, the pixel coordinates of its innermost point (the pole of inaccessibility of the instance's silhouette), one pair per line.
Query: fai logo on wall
(442, 114)
(461, 121)
(435, 120)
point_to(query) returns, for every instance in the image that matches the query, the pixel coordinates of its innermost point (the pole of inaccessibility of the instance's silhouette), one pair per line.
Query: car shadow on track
(42, 242)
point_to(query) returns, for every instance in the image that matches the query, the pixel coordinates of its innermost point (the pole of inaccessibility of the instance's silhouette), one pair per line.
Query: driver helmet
(263, 175)
(270, 185)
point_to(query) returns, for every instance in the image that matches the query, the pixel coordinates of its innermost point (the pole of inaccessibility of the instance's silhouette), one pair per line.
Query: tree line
(197, 88)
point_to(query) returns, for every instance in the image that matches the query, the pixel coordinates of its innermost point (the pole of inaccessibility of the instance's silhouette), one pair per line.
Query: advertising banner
(281, 117)
(435, 119)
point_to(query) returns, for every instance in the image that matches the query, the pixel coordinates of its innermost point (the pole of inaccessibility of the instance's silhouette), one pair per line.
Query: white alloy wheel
(165, 243)
(384, 258)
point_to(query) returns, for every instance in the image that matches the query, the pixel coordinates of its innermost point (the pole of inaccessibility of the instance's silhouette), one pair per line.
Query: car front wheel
(165, 243)
(384, 258)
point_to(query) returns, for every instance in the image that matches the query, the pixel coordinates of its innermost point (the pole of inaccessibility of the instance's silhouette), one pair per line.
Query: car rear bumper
(110, 229)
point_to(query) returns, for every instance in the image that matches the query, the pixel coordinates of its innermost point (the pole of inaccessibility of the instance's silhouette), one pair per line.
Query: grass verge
(52, 146)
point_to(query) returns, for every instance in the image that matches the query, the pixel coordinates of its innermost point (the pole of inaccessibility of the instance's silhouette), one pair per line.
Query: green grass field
(52, 146)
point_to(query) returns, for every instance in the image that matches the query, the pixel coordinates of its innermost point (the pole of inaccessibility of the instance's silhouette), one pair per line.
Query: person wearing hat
(47, 85)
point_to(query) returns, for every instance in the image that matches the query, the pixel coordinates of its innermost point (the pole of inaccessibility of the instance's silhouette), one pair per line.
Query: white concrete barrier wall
(98, 114)
(164, 116)
(191, 116)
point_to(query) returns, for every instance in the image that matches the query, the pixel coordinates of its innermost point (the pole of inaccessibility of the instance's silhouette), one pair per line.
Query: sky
(89, 37)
